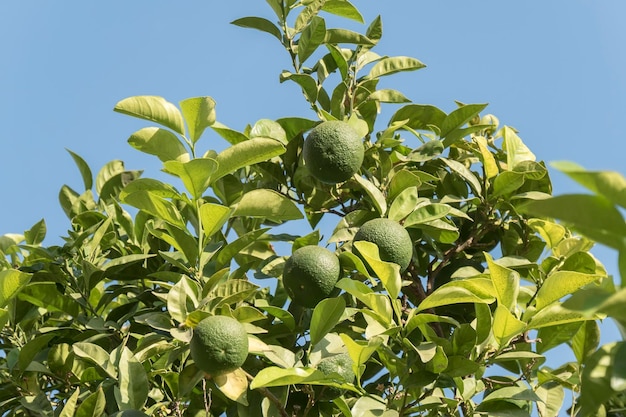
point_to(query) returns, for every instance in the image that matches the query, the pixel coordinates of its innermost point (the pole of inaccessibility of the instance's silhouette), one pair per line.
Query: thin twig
(273, 399)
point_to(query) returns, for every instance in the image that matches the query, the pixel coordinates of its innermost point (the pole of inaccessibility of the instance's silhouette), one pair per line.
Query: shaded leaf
(268, 204)
(259, 23)
(159, 142)
(245, 154)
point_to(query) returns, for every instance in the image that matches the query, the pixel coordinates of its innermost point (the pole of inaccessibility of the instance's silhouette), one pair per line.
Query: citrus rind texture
(333, 152)
(393, 241)
(219, 345)
(310, 275)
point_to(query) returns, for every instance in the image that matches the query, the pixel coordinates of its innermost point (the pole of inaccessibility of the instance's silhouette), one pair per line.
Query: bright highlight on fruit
(310, 275)
(393, 241)
(219, 345)
(333, 152)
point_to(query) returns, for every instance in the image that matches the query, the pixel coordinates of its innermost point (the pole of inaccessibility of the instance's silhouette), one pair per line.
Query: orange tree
(102, 324)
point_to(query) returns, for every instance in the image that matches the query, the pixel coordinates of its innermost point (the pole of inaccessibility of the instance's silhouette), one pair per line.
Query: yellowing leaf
(234, 385)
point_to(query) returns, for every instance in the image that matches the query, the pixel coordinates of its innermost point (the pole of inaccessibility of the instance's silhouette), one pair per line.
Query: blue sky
(553, 70)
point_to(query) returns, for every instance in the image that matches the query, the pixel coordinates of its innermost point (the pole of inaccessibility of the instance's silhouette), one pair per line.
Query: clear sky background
(553, 70)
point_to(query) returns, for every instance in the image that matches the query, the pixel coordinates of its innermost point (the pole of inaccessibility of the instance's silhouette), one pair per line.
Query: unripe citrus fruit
(340, 364)
(393, 241)
(333, 152)
(219, 345)
(310, 275)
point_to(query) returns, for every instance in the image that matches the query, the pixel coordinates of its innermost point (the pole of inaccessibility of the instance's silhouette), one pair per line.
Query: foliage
(102, 323)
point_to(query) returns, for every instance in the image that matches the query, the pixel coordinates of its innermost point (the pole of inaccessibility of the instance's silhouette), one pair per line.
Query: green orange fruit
(393, 241)
(333, 152)
(310, 275)
(219, 345)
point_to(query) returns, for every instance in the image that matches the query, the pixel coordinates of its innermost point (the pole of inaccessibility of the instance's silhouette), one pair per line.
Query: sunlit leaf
(234, 385)
(199, 113)
(11, 282)
(244, 154)
(560, 284)
(153, 108)
(392, 65)
(325, 316)
(516, 150)
(474, 290)
(195, 174)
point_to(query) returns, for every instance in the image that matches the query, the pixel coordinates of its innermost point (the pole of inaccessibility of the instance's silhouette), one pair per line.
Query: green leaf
(426, 152)
(266, 128)
(311, 38)
(506, 326)
(259, 23)
(467, 175)
(598, 374)
(427, 213)
(552, 396)
(70, 405)
(267, 204)
(343, 8)
(245, 154)
(153, 108)
(92, 406)
(392, 65)
(460, 117)
(195, 174)
(311, 9)
(512, 393)
(594, 217)
(403, 204)
(156, 206)
(133, 382)
(609, 184)
(387, 272)
(473, 290)
(182, 298)
(506, 283)
(305, 81)
(36, 234)
(560, 284)
(507, 182)
(213, 217)
(586, 340)
(84, 169)
(516, 151)
(159, 142)
(108, 171)
(360, 351)
(489, 161)
(376, 196)
(325, 316)
(234, 385)
(419, 116)
(199, 113)
(11, 282)
(273, 376)
(95, 355)
(388, 96)
(555, 314)
(337, 36)
(232, 136)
